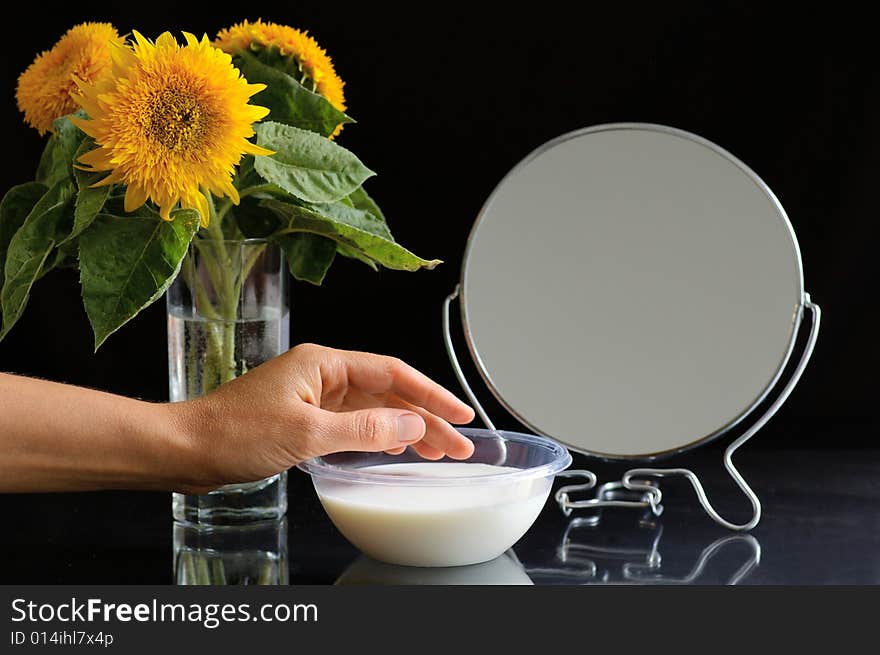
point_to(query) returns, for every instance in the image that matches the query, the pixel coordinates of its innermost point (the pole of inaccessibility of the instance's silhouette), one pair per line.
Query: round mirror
(631, 290)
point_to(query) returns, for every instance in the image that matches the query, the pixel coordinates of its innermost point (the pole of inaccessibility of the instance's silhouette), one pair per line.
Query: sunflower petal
(253, 149)
(165, 208)
(202, 204)
(97, 160)
(166, 40)
(114, 177)
(84, 124)
(232, 193)
(122, 56)
(141, 40)
(135, 196)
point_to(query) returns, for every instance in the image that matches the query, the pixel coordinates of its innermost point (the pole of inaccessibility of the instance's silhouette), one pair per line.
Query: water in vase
(202, 352)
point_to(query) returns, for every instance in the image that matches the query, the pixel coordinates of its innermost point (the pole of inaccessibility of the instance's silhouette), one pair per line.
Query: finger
(379, 374)
(439, 435)
(368, 430)
(356, 399)
(427, 451)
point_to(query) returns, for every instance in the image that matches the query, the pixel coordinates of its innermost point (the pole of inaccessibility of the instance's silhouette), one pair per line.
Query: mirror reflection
(252, 554)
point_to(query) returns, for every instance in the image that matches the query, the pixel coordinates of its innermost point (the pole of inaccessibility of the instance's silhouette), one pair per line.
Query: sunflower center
(176, 119)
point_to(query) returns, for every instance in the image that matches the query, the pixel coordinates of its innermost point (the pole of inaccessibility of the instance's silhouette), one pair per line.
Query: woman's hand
(314, 401)
(310, 401)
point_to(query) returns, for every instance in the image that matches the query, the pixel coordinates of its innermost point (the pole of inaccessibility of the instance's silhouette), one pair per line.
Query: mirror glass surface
(631, 290)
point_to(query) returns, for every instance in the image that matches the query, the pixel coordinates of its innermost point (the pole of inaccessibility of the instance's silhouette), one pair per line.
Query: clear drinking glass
(227, 313)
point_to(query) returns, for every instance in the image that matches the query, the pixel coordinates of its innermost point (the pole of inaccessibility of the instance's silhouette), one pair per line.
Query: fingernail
(410, 427)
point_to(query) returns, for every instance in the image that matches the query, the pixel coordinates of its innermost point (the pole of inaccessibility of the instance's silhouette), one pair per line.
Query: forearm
(55, 437)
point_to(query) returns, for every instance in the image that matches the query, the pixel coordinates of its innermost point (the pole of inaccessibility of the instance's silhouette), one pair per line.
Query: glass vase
(227, 313)
(251, 554)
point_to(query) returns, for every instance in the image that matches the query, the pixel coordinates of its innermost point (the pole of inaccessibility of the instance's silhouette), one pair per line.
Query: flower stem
(227, 265)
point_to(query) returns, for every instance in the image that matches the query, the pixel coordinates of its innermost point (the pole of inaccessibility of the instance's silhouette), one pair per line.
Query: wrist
(182, 460)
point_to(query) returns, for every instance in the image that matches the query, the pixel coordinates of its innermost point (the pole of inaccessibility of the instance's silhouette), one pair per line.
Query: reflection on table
(503, 570)
(586, 554)
(253, 554)
(594, 553)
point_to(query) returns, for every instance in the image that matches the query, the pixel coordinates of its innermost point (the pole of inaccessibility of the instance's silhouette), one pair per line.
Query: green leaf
(351, 253)
(127, 262)
(361, 200)
(14, 209)
(56, 162)
(307, 165)
(349, 234)
(64, 256)
(253, 221)
(48, 223)
(309, 256)
(89, 200)
(357, 209)
(289, 102)
(359, 218)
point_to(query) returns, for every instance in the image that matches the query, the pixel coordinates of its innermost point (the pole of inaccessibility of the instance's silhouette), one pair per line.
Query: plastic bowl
(446, 513)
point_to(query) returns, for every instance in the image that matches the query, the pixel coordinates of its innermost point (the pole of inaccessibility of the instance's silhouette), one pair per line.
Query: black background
(448, 98)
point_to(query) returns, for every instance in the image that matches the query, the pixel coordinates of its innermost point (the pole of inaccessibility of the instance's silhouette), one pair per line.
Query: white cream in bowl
(435, 526)
(406, 510)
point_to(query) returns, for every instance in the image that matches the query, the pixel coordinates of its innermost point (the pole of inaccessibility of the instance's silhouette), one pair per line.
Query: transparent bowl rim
(560, 460)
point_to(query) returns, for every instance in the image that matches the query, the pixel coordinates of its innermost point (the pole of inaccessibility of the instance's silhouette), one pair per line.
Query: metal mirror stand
(635, 489)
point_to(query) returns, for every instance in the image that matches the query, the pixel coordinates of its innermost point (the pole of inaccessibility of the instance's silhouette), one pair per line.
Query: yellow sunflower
(316, 69)
(171, 123)
(45, 87)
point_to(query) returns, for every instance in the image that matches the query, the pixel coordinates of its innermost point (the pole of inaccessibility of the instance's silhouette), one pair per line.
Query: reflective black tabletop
(821, 525)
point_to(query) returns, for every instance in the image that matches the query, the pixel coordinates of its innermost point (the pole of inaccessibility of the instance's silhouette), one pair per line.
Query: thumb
(370, 430)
